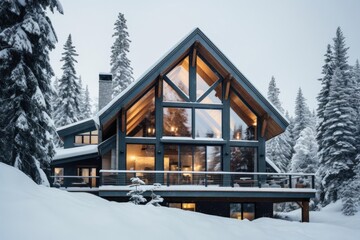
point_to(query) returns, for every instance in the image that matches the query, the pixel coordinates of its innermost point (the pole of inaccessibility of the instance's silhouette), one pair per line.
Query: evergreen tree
(355, 100)
(302, 114)
(273, 95)
(135, 194)
(120, 64)
(278, 149)
(323, 97)
(80, 114)
(26, 37)
(155, 199)
(336, 129)
(338, 144)
(68, 108)
(305, 158)
(87, 104)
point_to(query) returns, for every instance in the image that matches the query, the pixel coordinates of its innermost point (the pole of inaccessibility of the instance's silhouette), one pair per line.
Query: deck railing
(202, 178)
(75, 181)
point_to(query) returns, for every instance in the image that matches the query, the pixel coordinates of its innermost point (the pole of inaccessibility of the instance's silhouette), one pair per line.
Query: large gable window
(242, 120)
(140, 118)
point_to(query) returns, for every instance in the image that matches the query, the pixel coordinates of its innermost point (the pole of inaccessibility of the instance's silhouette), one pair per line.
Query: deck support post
(305, 211)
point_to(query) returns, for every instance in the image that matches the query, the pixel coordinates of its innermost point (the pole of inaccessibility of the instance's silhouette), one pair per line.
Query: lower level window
(184, 206)
(242, 211)
(58, 176)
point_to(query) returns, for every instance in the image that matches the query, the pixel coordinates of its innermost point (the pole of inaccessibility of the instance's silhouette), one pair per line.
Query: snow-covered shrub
(155, 199)
(135, 194)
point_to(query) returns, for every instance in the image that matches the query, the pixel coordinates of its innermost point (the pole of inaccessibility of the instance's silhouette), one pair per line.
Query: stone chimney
(105, 89)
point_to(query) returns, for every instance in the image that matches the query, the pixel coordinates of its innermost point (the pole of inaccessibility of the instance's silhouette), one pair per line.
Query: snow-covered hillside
(29, 211)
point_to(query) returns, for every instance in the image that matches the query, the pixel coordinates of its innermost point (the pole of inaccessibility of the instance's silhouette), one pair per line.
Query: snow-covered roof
(74, 152)
(273, 165)
(74, 124)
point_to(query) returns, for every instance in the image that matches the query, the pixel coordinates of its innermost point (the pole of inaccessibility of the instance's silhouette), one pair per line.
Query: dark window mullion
(178, 90)
(192, 78)
(209, 90)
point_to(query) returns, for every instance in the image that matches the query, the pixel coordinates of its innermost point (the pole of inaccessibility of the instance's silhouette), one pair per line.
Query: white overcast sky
(284, 38)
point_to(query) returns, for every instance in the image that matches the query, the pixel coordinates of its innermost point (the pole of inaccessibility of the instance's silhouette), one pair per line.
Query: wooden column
(305, 217)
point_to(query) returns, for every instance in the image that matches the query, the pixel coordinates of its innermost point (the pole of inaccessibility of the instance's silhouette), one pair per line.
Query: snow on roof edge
(74, 152)
(75, 123)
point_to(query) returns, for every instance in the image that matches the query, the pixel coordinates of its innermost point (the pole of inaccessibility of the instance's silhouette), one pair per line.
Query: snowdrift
(29, 211)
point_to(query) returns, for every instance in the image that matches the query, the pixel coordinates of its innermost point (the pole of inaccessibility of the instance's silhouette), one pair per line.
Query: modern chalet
(193, 123)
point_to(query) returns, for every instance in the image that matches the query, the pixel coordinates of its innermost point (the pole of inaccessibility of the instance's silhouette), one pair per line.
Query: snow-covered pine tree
(305, 158)
(87, 104)
(302, 114)
(68, 107)
(323, 97)
(336, 158)
(26, 37)
(120, 64)
(290, 132)
(355, 100)
(80, 114)
(350, 194)
(273, 94)
(135, 194)
(155, 199)
(336, 129)
(279, 148)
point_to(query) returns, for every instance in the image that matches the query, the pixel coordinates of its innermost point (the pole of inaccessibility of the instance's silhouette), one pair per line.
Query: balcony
(116, 183)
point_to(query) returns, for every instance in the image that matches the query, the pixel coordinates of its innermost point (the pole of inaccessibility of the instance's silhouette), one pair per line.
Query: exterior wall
(221, 209)
(264, 209)
(69, 141)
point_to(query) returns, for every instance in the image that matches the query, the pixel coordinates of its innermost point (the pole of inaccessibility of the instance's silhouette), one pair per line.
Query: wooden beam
(264, 125)
(194, 54)
(123, 120)
(227, 87)
(305, 217)
(160, 83)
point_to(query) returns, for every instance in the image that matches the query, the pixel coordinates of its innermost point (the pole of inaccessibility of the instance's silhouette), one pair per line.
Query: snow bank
(29, 211)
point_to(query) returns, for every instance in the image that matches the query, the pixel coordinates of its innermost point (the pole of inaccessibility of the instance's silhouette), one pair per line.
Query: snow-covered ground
(29, 211)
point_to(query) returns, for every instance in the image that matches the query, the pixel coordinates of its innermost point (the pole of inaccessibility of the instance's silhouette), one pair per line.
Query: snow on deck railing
(205, 178)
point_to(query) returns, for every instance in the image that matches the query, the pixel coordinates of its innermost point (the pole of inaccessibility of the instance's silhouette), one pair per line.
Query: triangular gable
(275, 121)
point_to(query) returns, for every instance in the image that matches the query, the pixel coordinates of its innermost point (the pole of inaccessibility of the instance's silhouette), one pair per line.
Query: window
(191, 158)
(87, 138)
(58, 176)
(208, 123)
(243, 159)
(140, 157)
(184, 206)
(170, 95)
(177, 122)
(179, 75)
(205, 78)
(140, 117)
(242, 211)
(242, 120)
